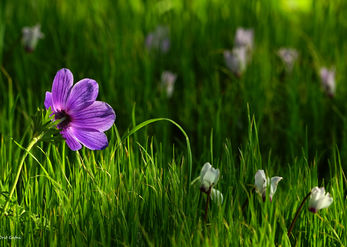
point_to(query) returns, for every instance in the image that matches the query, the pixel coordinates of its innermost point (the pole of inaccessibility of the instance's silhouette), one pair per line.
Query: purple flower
(83, 119)
(158, 39)
(328, 80)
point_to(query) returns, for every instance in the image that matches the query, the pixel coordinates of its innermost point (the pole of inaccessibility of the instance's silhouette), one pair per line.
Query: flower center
(313, 210)
(65, 119)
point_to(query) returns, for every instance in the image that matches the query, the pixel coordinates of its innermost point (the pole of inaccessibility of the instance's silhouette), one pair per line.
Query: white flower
(159, 39)
(168, 80)
(319, 199)
(261, 182)
(328, 80)
(236, 60)
(274, 183)
(288, 57)
(244, 37)
(217, 196)
(208, 177)
(30, 37)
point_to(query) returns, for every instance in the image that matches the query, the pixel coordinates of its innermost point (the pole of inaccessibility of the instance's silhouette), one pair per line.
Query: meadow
(143, 189)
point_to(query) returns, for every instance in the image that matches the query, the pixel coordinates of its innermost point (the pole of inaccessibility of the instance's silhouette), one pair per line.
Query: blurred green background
(139, 193)
(105, 40)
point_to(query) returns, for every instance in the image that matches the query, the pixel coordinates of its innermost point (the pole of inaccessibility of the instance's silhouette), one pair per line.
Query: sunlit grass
(140, 190)
(297, 5)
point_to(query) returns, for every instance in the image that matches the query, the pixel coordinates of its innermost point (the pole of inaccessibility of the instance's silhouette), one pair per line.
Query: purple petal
(62, 84)
(99, 116)
(91, 138)
(82, 95)
(49, 101)
(71, 141)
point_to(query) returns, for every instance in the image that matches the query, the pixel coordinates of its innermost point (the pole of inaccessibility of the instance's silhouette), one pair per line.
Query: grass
(140, 191)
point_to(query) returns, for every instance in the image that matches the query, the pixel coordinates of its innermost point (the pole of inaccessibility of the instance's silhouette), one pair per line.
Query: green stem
(297, 213)
(30, 146)
(246, 201)
(207, 202)
(189, 151)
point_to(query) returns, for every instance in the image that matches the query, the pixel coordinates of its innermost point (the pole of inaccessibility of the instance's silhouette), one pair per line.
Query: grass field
(142, 189)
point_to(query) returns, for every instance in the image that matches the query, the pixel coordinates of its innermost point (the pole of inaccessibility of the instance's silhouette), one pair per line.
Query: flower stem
(297, 213)
(207, 202)
(246, 201)
(27, 150)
